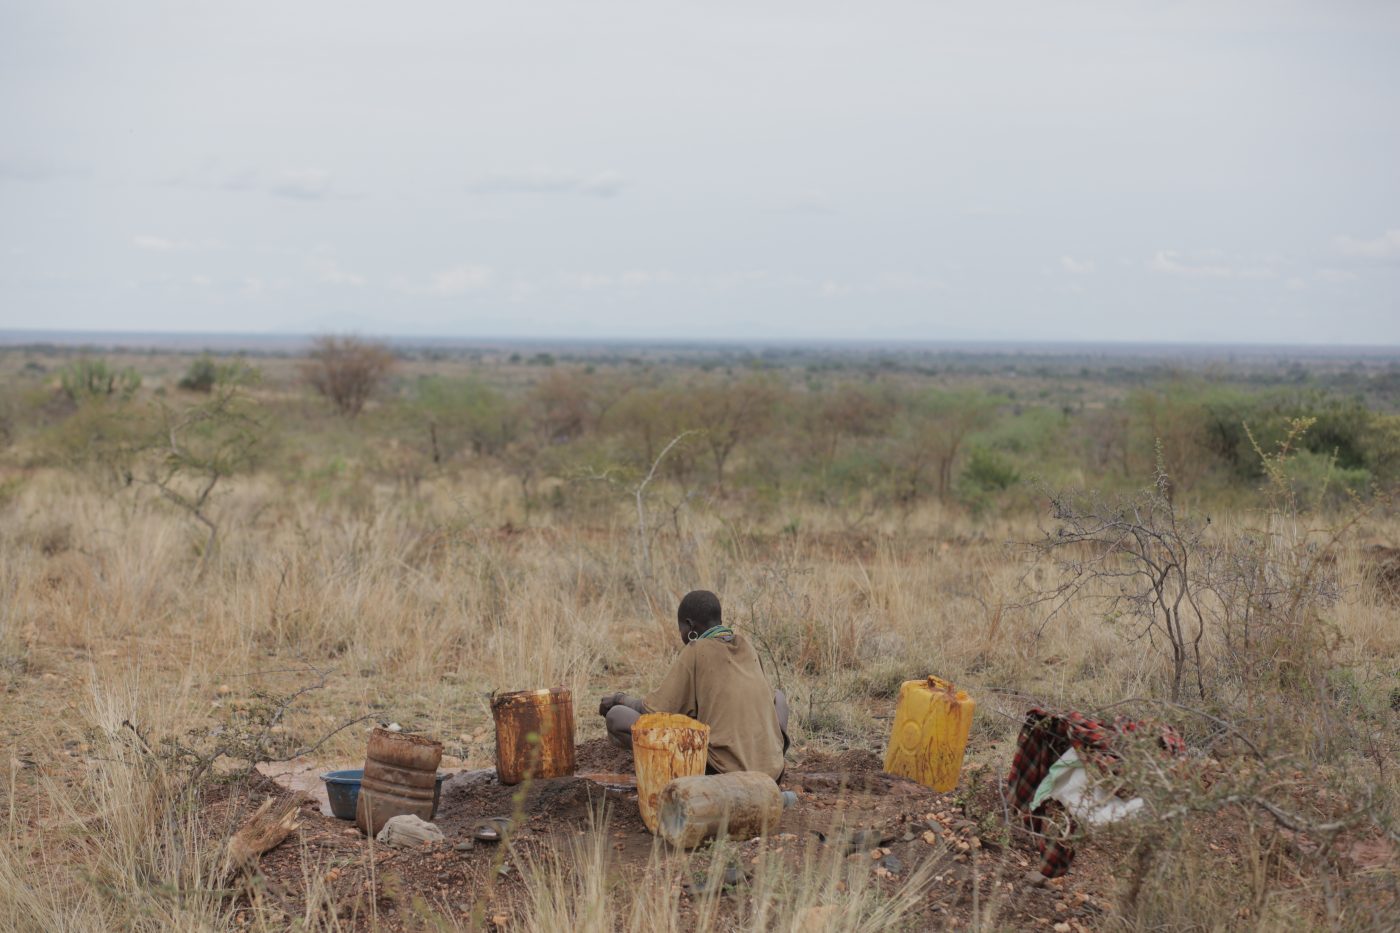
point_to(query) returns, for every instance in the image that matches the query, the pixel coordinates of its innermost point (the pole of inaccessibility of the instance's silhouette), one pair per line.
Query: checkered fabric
(1044, 738)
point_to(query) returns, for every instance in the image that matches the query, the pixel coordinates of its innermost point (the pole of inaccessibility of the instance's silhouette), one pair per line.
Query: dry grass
(422, 601)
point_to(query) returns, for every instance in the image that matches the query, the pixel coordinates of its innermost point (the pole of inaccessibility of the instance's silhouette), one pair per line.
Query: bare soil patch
(844, 799)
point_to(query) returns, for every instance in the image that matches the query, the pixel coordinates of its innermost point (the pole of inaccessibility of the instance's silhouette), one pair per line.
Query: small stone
(931, 837)
(465, 846)
(225, 690)
(1035, 879)
(1061, 928)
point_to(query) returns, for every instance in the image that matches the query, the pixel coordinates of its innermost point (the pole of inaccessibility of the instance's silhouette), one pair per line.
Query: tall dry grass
(419, 601)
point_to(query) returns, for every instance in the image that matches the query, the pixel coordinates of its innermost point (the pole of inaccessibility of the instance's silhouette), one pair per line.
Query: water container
(739, 805)
(666, 746)
(548, 715)
(400, 777)
(929, 737)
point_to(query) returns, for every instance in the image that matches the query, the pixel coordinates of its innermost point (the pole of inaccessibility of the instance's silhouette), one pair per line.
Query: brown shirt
(721, 684)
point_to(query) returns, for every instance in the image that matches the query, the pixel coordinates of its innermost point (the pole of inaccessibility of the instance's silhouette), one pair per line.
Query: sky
(1023, 171)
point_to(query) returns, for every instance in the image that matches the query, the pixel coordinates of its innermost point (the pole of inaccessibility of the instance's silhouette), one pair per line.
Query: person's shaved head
(698, 612)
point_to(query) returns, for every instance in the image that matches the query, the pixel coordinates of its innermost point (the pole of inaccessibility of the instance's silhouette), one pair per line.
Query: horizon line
(23, 337)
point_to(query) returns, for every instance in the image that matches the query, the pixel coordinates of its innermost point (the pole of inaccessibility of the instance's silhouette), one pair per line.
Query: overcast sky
(1173, 171)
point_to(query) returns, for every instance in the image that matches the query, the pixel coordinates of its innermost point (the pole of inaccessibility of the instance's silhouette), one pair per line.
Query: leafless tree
(1142, 557)
(347, 370)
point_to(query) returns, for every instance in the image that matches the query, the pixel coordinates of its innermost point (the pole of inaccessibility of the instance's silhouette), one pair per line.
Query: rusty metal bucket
(534, 734)
(665, 746)
(400, 778)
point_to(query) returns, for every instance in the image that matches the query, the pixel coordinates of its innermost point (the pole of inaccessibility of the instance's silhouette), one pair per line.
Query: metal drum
(400, 778)
(534, 734)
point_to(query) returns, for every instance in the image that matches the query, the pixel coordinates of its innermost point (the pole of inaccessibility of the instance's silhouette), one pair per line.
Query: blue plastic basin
(343, 789)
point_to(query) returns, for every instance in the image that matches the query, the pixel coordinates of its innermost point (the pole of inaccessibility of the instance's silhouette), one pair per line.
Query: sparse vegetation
(489, 524)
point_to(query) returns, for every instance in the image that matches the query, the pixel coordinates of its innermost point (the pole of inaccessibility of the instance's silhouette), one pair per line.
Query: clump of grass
(581, 889)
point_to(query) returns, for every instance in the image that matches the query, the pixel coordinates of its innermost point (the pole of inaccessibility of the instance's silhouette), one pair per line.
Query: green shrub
(89, 378)
(201, 376)
(985, 475)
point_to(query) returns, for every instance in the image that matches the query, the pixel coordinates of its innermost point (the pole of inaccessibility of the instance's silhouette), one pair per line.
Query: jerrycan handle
(939, 685)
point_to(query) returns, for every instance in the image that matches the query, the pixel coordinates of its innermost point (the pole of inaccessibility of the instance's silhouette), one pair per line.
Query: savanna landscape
(217, 571)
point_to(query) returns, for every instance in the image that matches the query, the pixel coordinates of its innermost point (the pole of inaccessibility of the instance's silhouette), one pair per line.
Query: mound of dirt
(602, 756)
(547, 807)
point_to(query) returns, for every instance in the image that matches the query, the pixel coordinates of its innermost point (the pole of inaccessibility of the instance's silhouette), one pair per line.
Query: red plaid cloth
(1044, 738)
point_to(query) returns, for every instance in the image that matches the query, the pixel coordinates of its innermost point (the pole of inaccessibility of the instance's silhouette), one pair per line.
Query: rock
(408, 830)
(1035, 879)
(931, 837)
(465, 846)
(892, 864)
(1061, 928)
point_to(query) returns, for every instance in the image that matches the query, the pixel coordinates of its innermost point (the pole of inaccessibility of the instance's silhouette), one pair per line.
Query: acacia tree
(198, 448)
(932, 432)
(347, 370)
(732, 412)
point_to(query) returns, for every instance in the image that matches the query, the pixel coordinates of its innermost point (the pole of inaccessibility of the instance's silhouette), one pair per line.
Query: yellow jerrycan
(929, 737)
(665, 746)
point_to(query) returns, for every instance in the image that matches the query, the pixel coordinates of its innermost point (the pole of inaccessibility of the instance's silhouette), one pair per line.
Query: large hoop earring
(691, 636)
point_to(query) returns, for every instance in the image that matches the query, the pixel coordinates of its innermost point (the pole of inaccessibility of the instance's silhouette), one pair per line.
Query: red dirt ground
(845, 792)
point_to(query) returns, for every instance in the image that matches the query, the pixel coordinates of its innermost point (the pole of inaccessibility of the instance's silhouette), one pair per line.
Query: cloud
(1384, 247)
(1209, 265)
(632, 279)
(1166, 261)
(601, 185)
(460, 279)
(303, 185)
(329, 271)
(1077, 266)
(159, 244)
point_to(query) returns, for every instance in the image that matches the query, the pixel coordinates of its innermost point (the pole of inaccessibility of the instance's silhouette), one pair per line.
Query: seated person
(718, 681)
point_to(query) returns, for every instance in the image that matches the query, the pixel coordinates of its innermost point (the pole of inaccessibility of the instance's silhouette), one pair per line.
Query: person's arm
(676, 692)
(620, 699)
